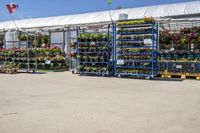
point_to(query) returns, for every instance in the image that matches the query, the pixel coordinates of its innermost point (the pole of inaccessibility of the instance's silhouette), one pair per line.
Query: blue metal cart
(94, 50)
(136, 50)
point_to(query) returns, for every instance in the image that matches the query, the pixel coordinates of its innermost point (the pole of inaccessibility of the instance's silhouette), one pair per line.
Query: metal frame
(109, 51)
(154, 62)
(28, 67)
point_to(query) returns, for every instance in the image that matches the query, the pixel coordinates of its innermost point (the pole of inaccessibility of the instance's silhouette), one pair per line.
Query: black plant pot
(100, 39)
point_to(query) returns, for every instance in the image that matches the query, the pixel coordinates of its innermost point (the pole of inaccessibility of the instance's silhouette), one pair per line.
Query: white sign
(179, 66)
(47, 61)
(120, 62)
(148, 41)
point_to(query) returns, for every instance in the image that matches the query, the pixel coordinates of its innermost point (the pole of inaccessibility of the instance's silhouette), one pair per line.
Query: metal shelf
(137, 60)
(134, 67)
(135, 26)
(94, 52)
(134, 74)
(138, 47)
(136, 33)
(86, 42)
(94, 62)
(107, 44)
(132, 54)
(93, 73)
(100, 32)
(130, 40)
(151, 50)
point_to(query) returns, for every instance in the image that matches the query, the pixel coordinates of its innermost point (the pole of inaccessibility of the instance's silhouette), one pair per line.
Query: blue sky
(45, 8)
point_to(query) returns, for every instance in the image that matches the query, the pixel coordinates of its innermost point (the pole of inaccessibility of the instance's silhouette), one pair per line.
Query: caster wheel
(147, 78)
(119, 76)
(75, 72)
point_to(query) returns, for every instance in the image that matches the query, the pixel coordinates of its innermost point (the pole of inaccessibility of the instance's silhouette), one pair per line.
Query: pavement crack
(6, 114)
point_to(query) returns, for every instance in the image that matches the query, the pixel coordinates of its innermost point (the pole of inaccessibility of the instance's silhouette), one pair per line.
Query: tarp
(159, 11)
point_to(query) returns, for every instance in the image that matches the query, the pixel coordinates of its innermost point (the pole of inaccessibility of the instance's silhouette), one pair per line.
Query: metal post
(50, 37)
(28, 61)
(68, 48)
(153, 42)
(77, 31)
(64, 43)
(157, 46)
(70, 41)
(108, 50)
(114, 48)
(4, 39)
(27, 41)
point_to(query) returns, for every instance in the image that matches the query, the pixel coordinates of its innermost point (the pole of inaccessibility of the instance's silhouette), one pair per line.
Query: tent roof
(158, 11)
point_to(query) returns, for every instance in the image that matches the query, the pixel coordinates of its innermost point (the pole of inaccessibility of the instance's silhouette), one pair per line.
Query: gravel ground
(66, 103)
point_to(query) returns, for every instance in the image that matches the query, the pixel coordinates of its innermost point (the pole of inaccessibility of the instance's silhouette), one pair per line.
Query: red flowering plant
(165, 37)
(193, 37)
(73, 55)
(185, 31)
(175, 37)
(1, 54)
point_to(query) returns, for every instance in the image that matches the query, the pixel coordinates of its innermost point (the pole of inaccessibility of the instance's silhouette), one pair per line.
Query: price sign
(120, 62)
(47, 61)
(179, 66)
(148, 41)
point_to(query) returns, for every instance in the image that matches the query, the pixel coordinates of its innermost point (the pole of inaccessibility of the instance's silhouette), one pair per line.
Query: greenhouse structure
(143, 42)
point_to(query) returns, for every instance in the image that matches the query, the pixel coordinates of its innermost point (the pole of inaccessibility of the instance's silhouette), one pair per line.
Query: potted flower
(22, 37)
(103, 69)
(90, 37)
(104, 37)
(93, 47)
(73, 45)
(93, 69)
(80, 68)
(91, 58)
(99, 37)
(79, 57)
(85, 49)
(87, 68)
(96, 58)
(182, 42)
(104, 48)
(73, 55)
(81, 37)
(149, 20)
(95, 36)
(101, 58)
(85, 58)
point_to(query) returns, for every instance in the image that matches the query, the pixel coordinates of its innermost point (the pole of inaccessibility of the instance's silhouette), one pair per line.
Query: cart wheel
(148, 78)
(73, 72)
(119, 76)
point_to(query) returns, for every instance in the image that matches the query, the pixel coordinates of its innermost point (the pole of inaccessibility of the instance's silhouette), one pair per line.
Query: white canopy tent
(159, 11)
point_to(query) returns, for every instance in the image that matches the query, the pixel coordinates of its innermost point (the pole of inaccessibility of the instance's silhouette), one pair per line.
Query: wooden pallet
(167, 74)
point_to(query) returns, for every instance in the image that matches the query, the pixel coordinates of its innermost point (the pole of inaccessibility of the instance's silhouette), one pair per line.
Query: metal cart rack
(136, 50)
(94, 50)
(26, 62)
